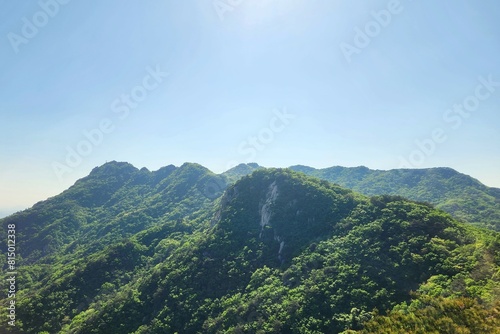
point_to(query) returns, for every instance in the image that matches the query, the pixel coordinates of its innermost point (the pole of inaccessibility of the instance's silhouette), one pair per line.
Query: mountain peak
(241, 170)
(113, 167)
(308, 209)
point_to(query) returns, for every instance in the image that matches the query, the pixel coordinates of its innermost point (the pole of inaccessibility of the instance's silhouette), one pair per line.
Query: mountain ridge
(466, 198)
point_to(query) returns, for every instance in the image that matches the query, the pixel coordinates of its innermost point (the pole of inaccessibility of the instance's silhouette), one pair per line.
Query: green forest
(258, 250)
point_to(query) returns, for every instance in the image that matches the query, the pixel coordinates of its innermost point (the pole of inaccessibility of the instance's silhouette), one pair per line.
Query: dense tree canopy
(133, 251)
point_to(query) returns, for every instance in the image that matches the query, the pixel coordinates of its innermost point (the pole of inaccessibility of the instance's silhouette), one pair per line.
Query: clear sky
(384, 84)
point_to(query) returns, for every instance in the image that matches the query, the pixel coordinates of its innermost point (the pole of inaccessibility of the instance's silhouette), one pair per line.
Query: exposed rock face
(265, 210)
(265, 215)
(282, 244)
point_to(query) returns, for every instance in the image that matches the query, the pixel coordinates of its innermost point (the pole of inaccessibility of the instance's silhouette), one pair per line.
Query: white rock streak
(265, 210)
(265, 214)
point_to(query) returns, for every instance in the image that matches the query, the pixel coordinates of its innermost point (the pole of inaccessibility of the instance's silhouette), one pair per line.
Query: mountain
(115, 201)
(179, 250)
(466, 198)
(234, 174)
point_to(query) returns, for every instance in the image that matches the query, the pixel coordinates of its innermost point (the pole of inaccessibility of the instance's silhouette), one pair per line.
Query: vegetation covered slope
(115, 201)
(279, 252)
(464, 197)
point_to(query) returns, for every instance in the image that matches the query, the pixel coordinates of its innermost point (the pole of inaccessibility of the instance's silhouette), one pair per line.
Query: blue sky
(384, 84)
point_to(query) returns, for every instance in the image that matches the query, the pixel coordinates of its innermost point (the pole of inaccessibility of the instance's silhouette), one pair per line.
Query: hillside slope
(278, 252)
(464, 197)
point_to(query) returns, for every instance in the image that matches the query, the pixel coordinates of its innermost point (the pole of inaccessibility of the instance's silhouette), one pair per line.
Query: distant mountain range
(257, 250)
